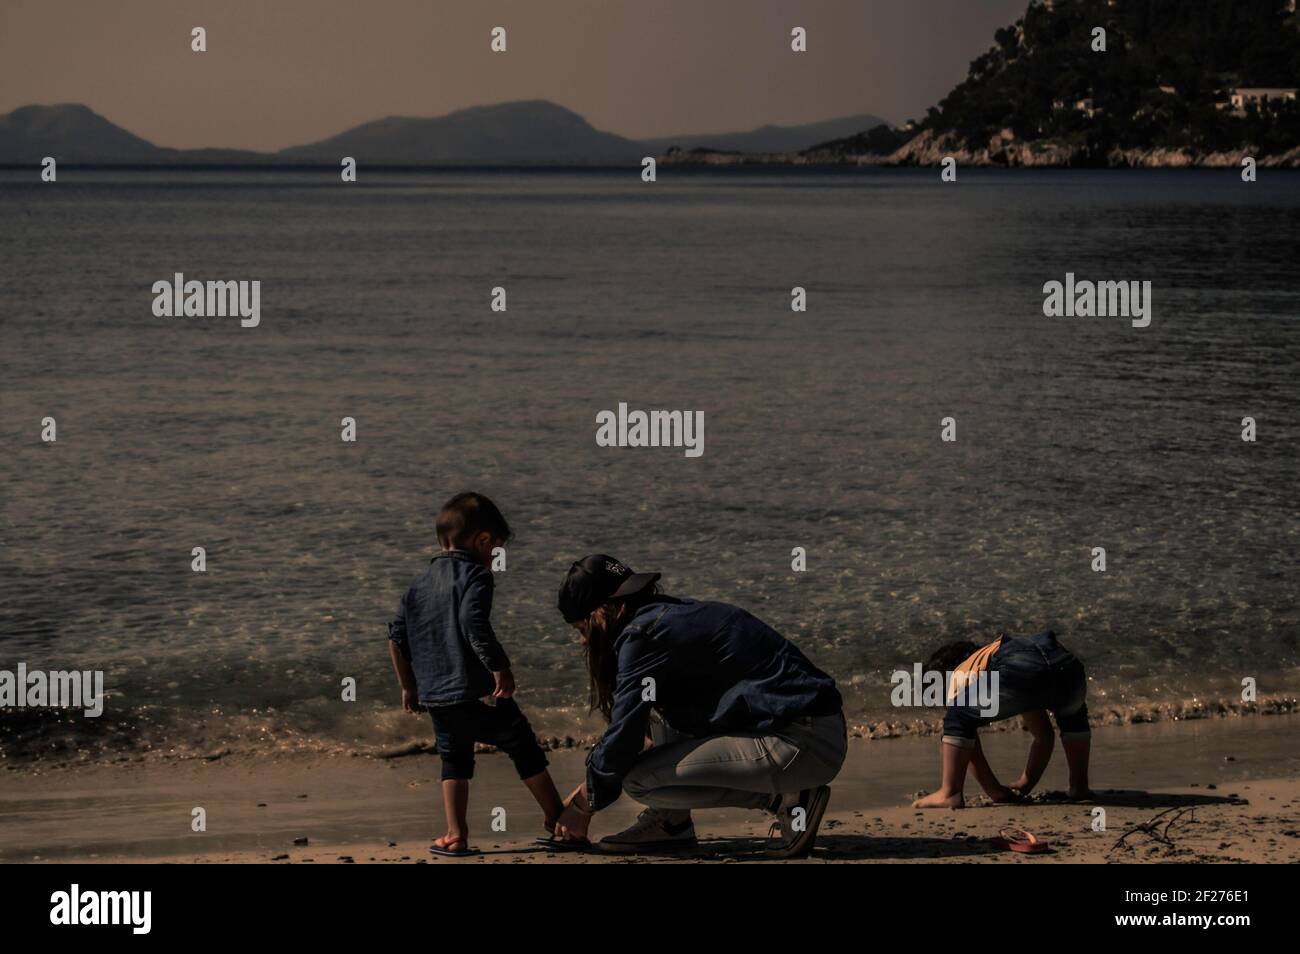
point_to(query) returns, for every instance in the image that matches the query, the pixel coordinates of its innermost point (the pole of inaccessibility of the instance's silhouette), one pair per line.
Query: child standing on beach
(1036, 675)
(448, 661)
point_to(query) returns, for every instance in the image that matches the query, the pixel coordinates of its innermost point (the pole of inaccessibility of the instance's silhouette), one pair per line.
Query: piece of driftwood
(1152, 827)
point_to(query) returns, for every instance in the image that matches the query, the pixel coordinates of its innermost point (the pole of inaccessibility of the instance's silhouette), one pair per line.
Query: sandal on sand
(1017, 839)
(551, 843)
(453, 852)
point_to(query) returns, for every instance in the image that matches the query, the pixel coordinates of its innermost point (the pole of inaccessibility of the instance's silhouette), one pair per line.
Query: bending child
(1034, 675)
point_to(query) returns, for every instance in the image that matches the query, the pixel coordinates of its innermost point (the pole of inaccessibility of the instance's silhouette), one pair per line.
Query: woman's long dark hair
(602, 661)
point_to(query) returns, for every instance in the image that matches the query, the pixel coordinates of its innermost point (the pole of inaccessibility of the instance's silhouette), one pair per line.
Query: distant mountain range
(1180, 83)
(530, 132)
(73, 133)
(771, 138)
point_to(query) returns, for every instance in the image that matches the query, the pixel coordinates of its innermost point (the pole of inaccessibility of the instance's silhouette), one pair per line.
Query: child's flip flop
(551, 843)
(453, 853)
(1017, 839)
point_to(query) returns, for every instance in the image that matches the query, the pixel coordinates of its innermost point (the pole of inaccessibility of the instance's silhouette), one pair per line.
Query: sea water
(924, 302)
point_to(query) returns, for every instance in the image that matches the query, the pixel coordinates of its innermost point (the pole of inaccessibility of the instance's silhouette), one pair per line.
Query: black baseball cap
(596, 579)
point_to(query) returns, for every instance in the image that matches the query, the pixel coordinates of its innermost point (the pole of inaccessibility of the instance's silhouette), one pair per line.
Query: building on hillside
(1259, 97)
(1087, 107)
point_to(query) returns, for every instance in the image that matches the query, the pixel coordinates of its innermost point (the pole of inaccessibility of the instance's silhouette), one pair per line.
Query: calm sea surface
(822, 429)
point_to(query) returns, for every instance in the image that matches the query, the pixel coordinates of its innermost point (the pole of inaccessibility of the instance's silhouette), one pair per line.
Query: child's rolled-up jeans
(1034, 673)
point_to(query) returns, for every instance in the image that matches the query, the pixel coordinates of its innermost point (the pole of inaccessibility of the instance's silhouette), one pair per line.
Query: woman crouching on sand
(736, 715)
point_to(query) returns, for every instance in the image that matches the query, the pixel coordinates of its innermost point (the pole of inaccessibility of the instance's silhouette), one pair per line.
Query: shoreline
(1002, 151)
(394, 735)
(1242, 777)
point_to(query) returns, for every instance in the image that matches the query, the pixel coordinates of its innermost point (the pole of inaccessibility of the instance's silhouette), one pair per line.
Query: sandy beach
(1215, 790)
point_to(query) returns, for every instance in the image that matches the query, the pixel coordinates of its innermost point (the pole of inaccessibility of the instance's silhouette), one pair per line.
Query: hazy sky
(283, 72)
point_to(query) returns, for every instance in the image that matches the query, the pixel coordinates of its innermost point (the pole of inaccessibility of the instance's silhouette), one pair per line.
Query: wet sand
(1229, 790)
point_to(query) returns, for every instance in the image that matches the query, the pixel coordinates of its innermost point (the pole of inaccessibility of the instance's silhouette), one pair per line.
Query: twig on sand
(1152, 827)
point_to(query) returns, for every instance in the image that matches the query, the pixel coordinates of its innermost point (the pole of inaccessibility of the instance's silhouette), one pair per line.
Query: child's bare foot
(1005, 794)
(549, 824)
(450, 842)
(940, 800)
(1081, 793)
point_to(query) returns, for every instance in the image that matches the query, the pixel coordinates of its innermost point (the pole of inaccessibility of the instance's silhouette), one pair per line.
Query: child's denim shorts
(1034, 672)
(457, 727)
